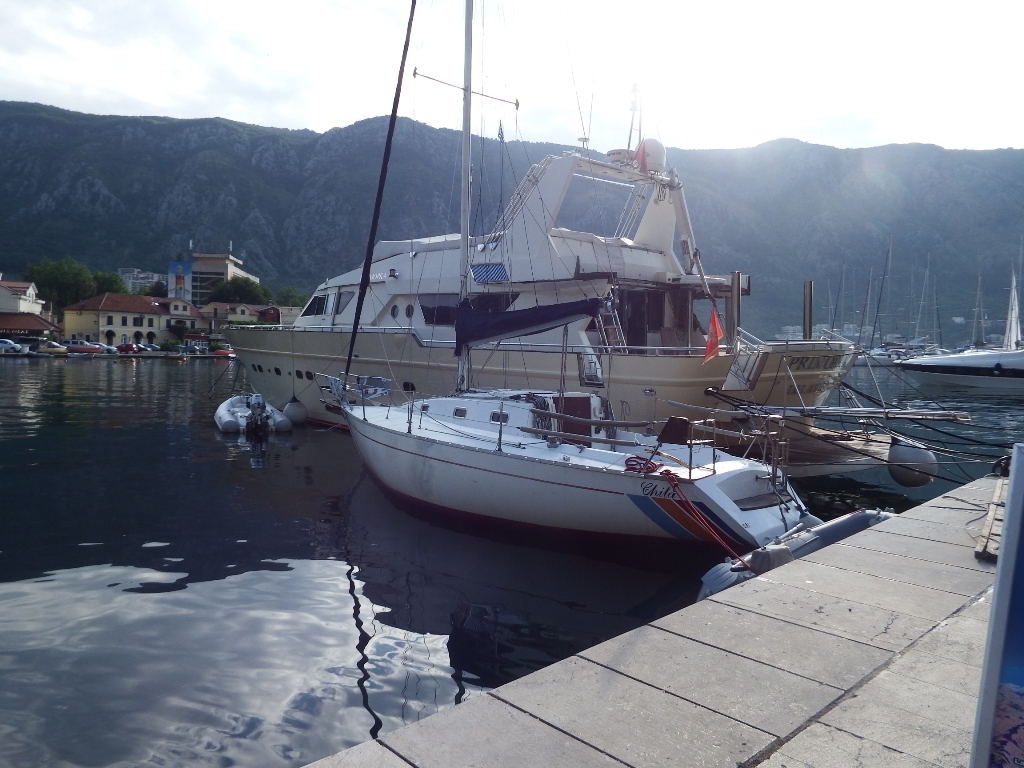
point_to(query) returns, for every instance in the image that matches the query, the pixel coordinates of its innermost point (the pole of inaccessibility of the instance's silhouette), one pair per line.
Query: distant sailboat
(989, 368)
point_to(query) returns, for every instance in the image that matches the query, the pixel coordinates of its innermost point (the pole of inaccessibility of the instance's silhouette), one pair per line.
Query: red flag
(641, 157)
(714, 336)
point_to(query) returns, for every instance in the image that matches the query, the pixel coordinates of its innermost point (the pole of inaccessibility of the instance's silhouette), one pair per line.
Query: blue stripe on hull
(660, 517)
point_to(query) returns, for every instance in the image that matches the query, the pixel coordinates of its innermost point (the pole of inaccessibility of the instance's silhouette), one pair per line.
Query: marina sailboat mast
(462, 381)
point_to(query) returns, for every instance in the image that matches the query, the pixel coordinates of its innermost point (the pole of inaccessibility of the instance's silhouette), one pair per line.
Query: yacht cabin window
(344, 297)
(439, 308)
(316, 306)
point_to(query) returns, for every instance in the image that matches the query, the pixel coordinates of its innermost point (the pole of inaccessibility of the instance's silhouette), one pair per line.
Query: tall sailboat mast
(462, 382)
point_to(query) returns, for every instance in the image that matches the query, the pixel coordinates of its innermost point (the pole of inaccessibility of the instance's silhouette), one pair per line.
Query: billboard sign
(999, 726)
(179, 280)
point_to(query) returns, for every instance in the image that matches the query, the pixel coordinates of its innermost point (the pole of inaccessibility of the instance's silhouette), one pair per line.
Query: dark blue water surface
(171, 597)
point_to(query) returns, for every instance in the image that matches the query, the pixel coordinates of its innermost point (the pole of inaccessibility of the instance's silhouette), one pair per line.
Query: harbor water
(170, 596)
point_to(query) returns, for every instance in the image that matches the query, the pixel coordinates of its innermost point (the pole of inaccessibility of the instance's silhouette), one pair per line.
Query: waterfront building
(193, 280)
(219, 314)
(115, 318)
(22, 312)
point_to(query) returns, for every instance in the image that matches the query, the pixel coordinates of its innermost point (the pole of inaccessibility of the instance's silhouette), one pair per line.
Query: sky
(708, 74)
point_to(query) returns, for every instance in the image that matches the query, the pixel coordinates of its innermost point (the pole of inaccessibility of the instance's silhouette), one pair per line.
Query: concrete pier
(867, 653)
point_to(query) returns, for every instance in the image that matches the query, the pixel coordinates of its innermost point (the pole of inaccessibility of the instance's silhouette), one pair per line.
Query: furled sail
(474, 327)
(1012, 338)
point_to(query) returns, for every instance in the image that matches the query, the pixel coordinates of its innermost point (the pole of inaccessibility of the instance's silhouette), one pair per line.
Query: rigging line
(364, 281)
(576, 91)
(514, 103)
(952, 434)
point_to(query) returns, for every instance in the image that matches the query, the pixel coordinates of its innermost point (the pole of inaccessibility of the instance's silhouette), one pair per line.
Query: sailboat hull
(562, 488)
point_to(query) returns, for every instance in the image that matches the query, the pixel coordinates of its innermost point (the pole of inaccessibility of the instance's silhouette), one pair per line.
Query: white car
(6, 345)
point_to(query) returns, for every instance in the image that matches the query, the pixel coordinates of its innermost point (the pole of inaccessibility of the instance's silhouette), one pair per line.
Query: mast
(877, 326)
(864, 312)
(924, 297)
(462, 382)
(979, 321)
(364, 281)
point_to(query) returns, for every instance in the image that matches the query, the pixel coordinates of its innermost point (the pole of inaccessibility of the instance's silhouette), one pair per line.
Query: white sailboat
(554, 460)
(517, 459)
(999, 369)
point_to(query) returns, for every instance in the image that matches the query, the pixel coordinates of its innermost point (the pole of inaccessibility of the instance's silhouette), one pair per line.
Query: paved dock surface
(867, 653)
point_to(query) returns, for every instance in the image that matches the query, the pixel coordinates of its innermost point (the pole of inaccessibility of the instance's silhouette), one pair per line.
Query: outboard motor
(258, 425)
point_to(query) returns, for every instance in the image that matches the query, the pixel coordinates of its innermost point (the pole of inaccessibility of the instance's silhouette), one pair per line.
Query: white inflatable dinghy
(249, 413)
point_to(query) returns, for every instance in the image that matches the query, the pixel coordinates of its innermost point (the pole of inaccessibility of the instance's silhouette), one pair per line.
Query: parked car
(150, 348)
(81, 347)
(51, 348)
(107, 348)
(6, 345)
(128, 349)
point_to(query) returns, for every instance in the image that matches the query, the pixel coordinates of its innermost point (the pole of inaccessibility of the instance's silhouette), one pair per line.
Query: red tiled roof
(17, 287)
(139, 305)
(24, 323)
(166, 303)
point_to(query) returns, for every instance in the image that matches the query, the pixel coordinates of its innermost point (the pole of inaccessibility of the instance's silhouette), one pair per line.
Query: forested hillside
(133, 191)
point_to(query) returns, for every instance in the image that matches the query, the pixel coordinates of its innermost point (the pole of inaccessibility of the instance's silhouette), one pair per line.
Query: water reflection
(166, 601)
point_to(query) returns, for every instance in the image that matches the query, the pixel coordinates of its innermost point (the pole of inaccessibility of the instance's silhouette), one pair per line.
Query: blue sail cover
(474, 327)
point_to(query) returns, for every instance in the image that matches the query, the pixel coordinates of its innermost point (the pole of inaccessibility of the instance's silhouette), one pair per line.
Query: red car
(82, 347)
(128, 349)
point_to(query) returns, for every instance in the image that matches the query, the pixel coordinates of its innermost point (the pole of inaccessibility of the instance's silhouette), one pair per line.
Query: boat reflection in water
(507, 607)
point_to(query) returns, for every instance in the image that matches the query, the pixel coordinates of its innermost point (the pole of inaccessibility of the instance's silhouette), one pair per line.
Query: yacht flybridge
(645, 348)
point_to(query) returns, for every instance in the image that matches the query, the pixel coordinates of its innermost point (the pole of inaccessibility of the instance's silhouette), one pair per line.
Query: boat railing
(585, 349)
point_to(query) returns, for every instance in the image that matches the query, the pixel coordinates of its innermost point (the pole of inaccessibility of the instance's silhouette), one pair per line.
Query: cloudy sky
(709, 74)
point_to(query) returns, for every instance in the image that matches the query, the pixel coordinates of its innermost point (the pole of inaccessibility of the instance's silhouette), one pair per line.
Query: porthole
(424, 408)
(460, 413)
(408, 386)
(259, 368)
(298, 373)
(277, 371)
(499, 417)
(309, 375)
(254, 366)
(394, 310)
(409, 310)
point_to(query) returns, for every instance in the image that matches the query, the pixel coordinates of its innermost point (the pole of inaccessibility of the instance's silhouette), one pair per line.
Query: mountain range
(115, 191)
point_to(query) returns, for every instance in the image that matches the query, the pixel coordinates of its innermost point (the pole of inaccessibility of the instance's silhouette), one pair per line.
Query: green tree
(290, 297)
(240, 290)
(108, 282)
(178, 330)
(61, 282)
(158, 289)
